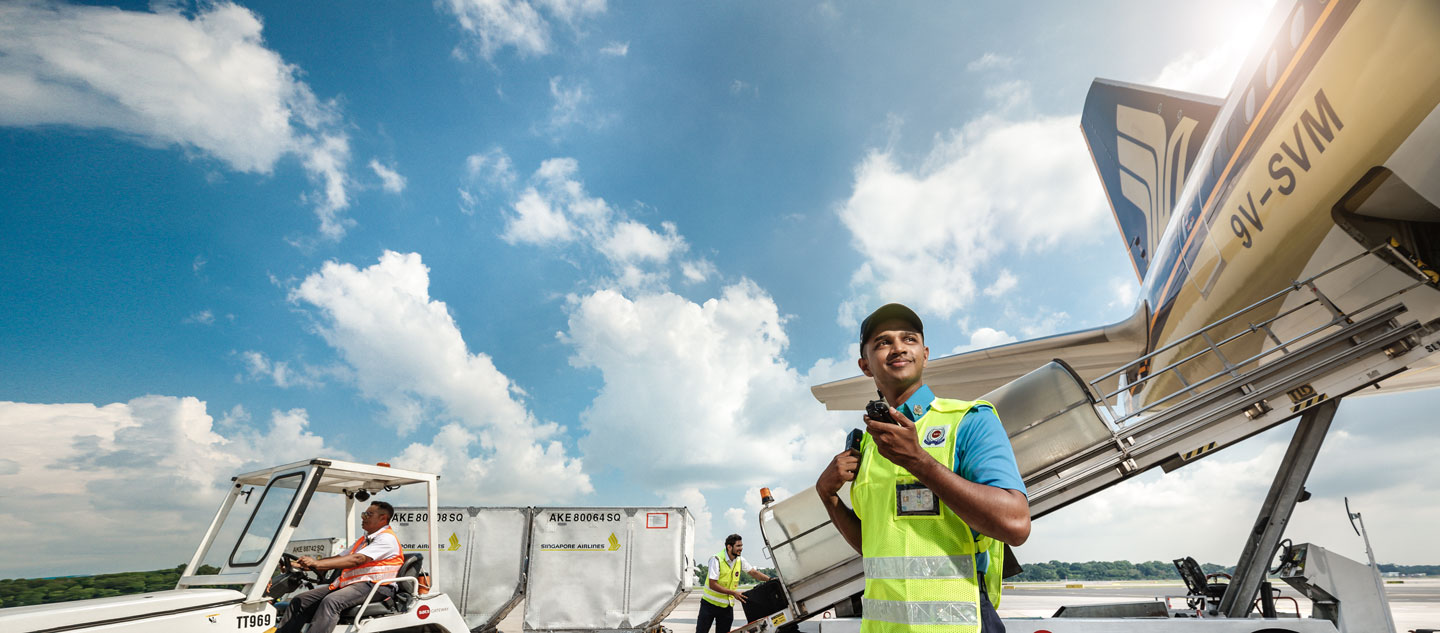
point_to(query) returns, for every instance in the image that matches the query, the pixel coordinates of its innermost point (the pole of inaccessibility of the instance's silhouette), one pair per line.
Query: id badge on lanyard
(915, 500)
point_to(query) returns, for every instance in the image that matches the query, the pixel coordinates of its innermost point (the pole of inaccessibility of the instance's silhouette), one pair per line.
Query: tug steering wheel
(291, 577)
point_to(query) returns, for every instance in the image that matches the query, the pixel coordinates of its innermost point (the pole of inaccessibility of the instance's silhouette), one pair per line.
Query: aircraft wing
(1092, 353)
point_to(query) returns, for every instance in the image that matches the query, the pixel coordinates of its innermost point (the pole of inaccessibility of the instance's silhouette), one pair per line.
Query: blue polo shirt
(982, 449)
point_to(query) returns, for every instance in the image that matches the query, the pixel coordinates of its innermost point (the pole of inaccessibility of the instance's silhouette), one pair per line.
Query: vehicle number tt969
(248, 621)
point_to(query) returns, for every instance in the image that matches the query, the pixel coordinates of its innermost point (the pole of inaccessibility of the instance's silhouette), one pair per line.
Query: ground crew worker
(936, 494)
(374, 557)
(721, 586)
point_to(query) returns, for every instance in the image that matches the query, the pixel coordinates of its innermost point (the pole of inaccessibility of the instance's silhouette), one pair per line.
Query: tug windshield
(260, 531)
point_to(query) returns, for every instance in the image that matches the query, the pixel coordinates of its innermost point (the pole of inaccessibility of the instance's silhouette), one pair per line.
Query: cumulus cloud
(497, 24)
(735, 517)
(84, 490)
(1004, 282)
(997, 185)
(405, 351)
(985, 337)
(203, 317)
(204, 83)
(555, 210)
(716, 368)
(390, 180)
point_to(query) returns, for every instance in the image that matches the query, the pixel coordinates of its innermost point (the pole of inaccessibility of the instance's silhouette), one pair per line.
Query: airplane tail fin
(1144, 142)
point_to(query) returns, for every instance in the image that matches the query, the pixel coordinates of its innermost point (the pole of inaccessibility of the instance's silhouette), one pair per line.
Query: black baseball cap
(885, 313)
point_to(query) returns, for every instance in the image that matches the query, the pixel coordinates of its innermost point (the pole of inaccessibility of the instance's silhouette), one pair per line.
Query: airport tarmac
(1415, 603)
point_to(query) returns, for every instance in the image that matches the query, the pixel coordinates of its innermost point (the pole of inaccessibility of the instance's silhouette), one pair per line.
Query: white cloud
(696, 271)
(492, 167)
(486, 173)
(1039, 323)
(390, 180)
(565, 112)
(555, 210)
(203, 317)
(990, 61)
(1004, 282)
(716, 367)
(536, 221)
(205, 84)
(407, 353)
(1123, 292)
(84, 491)
(616, 49)
(994, 186)
(985, 337)
(259, 367)
(497, 24)
(632, 241)
(735, 517)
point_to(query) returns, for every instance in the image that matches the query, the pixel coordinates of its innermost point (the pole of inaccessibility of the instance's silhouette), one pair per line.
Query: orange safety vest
(375, 570)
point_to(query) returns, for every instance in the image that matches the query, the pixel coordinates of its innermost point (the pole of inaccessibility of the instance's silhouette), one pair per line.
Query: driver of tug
(374, 557)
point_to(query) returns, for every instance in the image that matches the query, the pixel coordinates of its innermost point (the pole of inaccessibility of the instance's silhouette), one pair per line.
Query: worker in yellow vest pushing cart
(721, 586)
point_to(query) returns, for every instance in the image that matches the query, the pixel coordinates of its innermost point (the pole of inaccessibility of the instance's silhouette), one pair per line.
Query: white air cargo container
(590, 569)
(316, 547)
(481, 557)
(617, 569)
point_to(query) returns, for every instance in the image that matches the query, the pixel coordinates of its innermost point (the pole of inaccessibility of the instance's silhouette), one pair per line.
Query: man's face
(734, 550)
(895, 355)
(373, 518)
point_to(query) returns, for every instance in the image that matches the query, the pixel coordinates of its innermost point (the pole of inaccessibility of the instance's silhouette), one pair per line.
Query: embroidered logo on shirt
(934, 436)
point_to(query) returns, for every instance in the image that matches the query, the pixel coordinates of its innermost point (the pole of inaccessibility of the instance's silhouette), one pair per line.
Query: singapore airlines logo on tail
(1152, 165)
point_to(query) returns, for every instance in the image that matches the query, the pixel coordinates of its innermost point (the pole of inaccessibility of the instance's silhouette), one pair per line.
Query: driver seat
(1201, 591)
(389, 599)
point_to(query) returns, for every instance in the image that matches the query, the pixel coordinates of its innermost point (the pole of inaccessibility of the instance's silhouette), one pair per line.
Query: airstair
(1071, 443)
(1329, 357)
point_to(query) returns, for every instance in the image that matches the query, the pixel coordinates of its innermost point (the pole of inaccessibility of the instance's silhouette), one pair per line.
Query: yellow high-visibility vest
(728, 576)
(919, 557)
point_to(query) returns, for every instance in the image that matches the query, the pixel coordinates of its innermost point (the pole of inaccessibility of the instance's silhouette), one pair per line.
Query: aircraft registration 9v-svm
(1283, 237)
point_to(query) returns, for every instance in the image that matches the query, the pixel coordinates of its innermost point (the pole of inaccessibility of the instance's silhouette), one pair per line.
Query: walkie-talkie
(852, 443)
(879, 410)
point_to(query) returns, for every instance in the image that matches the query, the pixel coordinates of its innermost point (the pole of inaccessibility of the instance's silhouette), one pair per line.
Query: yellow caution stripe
(1199, 451)
(1308, 402)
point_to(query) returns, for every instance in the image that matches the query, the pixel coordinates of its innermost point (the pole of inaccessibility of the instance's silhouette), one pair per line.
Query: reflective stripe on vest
(728, 576)
(922, 613)
(375, 570)
(919, 568)
(913, 567)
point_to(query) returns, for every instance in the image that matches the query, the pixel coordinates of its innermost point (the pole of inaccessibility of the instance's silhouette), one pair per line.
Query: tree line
(1106, 570)
(19, 592)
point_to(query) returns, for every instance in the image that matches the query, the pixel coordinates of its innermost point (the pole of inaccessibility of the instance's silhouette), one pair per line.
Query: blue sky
(562, 251)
